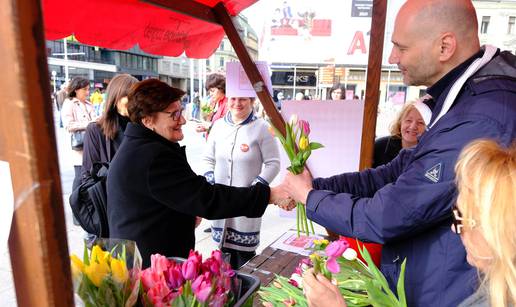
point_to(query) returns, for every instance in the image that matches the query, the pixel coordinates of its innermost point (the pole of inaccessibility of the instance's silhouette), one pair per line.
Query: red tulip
(304, 126)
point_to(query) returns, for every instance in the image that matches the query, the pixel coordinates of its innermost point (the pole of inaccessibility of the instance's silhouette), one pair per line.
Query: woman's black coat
(154, 196)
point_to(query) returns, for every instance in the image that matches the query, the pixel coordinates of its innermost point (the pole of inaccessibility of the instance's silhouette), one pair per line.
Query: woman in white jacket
(240, 152)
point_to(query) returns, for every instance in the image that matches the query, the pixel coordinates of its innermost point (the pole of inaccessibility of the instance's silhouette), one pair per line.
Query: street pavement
(273, 225)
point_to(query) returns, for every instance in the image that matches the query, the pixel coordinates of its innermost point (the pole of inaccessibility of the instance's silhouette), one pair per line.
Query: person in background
(300, 96)
(240, 152)
(337, 92)
(196, 107)
(77, 113)
(103, 137)
(153, 194)
(406, 204)
(405, 130)
(216, 85)
(485, 219)
(96, 100)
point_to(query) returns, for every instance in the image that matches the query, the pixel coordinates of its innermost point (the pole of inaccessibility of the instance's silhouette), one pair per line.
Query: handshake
(293, 188)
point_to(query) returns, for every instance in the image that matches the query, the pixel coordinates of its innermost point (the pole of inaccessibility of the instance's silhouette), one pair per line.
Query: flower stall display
(108, 275)
(298, 147)
(361, 284)
(191, 283)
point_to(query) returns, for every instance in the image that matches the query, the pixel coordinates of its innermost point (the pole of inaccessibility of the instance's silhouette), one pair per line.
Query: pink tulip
(150, 278)
(332, 265)
(159, 263)
(217, 255)
(159, 294)
(190, 269)
(218, 300)
(201, 287)
(174, 277)
(304, 126)
(336, 248)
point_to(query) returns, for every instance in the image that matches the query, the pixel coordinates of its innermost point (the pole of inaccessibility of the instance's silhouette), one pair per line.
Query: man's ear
(448, 46)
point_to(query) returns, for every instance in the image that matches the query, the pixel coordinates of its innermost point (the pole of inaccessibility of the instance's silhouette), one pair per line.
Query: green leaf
(400, 288)
(85, 256)
(315, 145)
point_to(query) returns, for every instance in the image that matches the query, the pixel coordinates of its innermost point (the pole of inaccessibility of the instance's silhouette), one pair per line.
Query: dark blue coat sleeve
(349, 204)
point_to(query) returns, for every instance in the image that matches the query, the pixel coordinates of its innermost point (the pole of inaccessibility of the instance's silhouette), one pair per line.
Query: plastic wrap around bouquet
(193, 282)
(361, 284)
(108, 275)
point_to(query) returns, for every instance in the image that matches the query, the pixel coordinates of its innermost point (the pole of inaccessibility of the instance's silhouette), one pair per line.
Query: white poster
(6, 205)
(336, 125)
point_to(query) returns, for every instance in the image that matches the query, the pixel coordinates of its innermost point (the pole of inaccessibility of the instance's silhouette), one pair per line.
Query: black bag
(89, 202)
(77, 139)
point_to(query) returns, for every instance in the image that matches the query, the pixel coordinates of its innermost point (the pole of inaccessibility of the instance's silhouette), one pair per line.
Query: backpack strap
(108, 148)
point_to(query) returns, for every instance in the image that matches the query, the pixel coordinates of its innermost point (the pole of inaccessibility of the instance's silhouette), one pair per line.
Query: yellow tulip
(97, 271)
(77, 265)
(97, 254)
(303, 143)
(119, 270)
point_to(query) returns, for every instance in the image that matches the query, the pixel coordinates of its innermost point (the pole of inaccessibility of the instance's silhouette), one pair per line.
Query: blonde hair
(395, 128)
(486, 180)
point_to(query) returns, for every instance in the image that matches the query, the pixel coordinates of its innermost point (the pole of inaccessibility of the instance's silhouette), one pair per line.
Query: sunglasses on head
(458, 221)
(176, 115)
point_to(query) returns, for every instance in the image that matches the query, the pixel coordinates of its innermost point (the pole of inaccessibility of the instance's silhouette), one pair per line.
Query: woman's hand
(201, 127)
(320, 292)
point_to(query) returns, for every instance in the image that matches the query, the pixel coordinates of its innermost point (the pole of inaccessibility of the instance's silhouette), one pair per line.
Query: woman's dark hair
(335, 87)
(217, 81)
(76, 84)
(150, 96)
(117, 89)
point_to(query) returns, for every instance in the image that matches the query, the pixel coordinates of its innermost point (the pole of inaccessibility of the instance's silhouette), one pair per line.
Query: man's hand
(298, 186)
(320, 292)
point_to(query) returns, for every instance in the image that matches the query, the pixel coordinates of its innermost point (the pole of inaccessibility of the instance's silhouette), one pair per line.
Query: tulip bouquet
(298, 147)
(190, 283)
(109, 274)
(361, 284)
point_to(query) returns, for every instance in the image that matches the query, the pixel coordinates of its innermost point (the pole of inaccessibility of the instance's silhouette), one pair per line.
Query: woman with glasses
(153, 194)
(485, 218)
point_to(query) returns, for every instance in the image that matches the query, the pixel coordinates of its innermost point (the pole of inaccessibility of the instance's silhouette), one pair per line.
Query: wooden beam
(374, 72)
(250, 68)
(37, 243)
(187, 7)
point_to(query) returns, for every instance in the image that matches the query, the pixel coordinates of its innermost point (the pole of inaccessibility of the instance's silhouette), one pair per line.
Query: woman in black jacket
(153, 194)
(103, 137)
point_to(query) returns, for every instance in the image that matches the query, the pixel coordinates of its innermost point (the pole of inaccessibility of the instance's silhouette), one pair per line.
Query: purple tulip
(304, 126)
(332, 265)
(174, 277)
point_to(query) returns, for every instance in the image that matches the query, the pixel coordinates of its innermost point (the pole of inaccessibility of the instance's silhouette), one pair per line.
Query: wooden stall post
(37, 243)
(374, 72)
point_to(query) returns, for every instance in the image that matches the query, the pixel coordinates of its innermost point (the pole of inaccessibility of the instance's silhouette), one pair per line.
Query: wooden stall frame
(38, 244)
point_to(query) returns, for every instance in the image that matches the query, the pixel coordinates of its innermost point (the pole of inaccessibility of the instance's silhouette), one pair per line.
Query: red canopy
(120, 24)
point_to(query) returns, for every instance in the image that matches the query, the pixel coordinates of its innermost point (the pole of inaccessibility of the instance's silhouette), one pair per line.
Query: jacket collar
(228, 119)
(135, 130)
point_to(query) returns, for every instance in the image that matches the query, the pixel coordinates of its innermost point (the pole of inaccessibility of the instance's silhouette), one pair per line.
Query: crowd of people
(440, 193)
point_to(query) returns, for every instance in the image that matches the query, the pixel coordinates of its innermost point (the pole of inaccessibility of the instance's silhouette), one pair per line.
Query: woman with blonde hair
(486, 220)
(405, 130)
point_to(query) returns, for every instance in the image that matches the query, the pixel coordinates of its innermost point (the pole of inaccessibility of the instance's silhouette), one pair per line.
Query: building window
(221, 62)
(510, 26)
(485, 24)
(222, 45)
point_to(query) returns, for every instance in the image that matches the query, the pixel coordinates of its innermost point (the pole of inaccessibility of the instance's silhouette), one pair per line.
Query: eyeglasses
(176, 115)
(459, 222)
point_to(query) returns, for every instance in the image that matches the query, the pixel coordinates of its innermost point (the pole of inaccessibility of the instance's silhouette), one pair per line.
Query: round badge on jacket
(244, 147)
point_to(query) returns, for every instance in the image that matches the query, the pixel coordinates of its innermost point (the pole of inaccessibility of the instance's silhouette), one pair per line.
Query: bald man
(406, 204)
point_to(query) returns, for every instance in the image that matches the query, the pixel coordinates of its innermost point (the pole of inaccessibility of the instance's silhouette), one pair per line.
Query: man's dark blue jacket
(406, 204)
